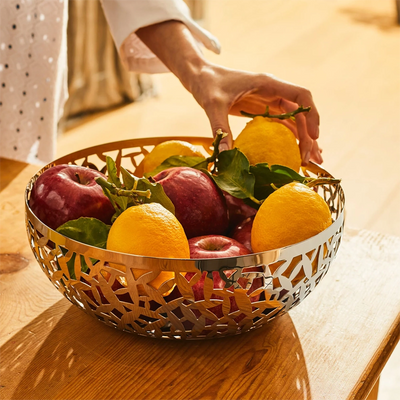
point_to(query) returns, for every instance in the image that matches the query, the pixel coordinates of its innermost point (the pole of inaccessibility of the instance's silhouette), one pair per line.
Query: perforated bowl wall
(240, 293)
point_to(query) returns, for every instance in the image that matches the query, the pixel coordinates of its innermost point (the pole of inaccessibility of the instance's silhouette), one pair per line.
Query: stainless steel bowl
(224, 296)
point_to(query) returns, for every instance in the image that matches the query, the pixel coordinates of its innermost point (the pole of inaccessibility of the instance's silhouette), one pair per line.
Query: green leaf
(286, 174)
(128, 179)
(178, 161)
(157, 191)
(112, 172)
(277, 175)
(90, 231)
(234, 174)
(157, 194)
(135, 191)
(71, 263)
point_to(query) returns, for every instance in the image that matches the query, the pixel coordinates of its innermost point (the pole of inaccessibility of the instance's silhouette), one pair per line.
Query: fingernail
(223, 147)
(306, 158)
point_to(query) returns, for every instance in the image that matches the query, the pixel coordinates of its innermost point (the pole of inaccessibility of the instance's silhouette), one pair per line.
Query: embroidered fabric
(33, 64)
(33, 77)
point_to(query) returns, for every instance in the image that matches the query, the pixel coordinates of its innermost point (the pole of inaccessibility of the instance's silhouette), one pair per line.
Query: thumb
(219, 120)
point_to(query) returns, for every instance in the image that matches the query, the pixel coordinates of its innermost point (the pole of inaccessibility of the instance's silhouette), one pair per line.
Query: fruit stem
(77, 177)
(287, 115)
(122, 192)
(218, 137)
(217, 140)
(254, 200)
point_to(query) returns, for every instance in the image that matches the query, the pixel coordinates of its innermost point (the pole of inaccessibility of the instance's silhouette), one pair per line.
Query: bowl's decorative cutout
(207, 298)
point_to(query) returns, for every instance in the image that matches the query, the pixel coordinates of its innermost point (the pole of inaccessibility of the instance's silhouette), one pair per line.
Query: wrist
(191, 71)
(172, 42)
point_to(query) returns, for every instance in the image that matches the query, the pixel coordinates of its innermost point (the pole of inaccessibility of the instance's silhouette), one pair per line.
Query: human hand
(221, 91)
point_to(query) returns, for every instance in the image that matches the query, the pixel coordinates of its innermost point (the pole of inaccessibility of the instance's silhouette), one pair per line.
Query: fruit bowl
(207, 298)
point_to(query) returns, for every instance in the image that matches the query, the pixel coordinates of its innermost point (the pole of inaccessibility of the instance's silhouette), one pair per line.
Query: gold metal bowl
(225, 296)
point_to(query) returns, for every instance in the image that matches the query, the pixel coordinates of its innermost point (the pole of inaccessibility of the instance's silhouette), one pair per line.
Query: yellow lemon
(291, 214)
(266, 141)
(149, 230)
(167, 149)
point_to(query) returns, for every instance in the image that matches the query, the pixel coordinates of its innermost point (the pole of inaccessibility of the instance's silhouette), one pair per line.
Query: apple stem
(288, 115)
(77, 177)
(122, 192)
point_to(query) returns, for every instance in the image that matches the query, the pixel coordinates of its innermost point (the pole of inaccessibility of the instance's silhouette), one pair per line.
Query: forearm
(170, 39)
(222, 91)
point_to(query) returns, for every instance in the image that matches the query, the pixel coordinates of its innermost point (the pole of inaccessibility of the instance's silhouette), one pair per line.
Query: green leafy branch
(131, 191)
(233, 173)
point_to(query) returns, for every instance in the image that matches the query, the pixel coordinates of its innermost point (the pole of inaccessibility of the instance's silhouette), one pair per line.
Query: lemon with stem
(265, 140)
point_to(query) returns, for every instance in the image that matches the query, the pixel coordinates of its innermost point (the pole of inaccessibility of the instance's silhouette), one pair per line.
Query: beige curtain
(96, 78)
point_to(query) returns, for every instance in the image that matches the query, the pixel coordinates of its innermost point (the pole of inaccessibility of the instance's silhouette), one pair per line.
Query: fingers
(301, 131)
(294, 94)
(303, 97)
(312, 117)
(218, 117)
(305, 142)
(316, 153)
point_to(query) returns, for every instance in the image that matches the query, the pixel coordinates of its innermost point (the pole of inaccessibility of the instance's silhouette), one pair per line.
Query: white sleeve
(125, 17)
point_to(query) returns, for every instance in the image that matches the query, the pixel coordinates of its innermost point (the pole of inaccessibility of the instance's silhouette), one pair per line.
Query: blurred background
(347, 52)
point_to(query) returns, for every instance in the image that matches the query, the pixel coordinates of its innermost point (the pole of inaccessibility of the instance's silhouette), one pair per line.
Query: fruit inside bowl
(213, 220)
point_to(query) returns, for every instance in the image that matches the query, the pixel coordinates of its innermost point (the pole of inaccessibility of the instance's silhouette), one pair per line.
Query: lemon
(149, 230)
(266, 141)
(291, 214)
(167, 149)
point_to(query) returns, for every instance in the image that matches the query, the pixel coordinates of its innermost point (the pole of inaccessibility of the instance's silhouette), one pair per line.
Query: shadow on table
(9, 169)
(64, 353)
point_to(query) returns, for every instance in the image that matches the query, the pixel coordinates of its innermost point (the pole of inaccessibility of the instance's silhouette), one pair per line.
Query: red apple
(215, 246)
(242, 232)
(238, 210)
(66, 192)
(199, 204)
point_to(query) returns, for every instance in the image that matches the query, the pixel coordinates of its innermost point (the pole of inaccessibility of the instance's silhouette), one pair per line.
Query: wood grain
(21, 298)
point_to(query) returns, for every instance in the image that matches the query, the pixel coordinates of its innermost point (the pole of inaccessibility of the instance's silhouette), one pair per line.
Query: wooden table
(333, 346)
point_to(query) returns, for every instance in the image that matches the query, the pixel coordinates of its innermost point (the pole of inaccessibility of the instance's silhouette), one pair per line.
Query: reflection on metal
(206, 298)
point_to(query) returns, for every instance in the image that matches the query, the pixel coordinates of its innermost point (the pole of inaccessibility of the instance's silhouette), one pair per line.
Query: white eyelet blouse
(33, 64)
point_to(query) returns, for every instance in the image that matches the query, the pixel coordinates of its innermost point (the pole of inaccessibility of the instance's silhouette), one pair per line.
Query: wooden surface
(332, 346)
